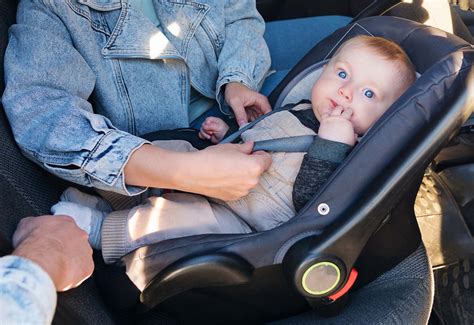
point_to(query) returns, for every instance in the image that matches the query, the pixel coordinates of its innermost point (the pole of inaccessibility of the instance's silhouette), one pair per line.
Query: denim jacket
(27, 293)
(85, 78)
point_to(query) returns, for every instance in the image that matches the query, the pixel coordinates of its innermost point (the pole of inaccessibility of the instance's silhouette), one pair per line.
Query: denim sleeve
(27, 293)
(245, 57)
(47, 86)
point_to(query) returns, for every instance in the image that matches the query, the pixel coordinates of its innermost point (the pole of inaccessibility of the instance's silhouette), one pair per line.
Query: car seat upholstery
(401, 295)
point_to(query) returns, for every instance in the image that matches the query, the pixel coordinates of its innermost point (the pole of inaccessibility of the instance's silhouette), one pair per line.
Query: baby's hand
(213, 129)
(338, 127)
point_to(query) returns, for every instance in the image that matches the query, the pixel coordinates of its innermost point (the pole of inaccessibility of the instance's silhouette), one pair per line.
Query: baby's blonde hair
(389, 51)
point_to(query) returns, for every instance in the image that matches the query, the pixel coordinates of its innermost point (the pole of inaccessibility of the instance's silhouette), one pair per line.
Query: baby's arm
(213, 129)
(338, 127)
(322, 159)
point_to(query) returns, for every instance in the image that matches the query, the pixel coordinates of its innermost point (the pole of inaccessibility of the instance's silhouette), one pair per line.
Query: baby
(362, 80)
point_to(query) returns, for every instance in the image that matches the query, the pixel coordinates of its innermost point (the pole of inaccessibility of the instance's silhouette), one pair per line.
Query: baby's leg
(173, 215)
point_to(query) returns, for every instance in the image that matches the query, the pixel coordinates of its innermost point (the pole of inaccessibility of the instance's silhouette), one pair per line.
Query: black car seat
(27, 190)
(366, 223)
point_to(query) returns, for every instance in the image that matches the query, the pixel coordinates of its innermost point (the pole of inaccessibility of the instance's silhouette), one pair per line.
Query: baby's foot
(213, 129)
(73, 195)
(89, 220)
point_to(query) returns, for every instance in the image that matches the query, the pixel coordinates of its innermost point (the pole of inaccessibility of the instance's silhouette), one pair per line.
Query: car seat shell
(428, 115)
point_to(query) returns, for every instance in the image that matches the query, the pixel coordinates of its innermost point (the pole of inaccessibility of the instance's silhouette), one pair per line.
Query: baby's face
(359, 79)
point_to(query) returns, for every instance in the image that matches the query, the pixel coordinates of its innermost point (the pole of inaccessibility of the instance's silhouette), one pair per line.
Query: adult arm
(51, 254)
(322, 159)
(48, 84)
(226, 171)
(244, 60)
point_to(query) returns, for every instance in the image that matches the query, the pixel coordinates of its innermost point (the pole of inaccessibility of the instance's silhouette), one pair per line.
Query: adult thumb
(246, 147)
(264, 157)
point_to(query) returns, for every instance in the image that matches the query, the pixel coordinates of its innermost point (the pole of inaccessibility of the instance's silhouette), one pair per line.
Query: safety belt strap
(288, 144)
(237, 133)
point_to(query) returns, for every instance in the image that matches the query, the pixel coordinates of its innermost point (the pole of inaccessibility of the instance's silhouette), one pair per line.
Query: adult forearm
(152, 166)
(226, 171)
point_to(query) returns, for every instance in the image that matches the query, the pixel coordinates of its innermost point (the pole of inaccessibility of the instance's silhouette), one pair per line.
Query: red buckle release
(350, 282)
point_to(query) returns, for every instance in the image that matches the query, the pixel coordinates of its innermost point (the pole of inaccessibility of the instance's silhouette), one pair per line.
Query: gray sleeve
(322, 159)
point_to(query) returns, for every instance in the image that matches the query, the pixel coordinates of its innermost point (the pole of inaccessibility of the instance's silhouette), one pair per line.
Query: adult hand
(58, 246)
(246, 103)
(337, 126)
(226, 171)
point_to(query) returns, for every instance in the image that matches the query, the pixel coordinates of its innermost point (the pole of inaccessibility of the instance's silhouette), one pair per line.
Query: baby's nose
(345, 92)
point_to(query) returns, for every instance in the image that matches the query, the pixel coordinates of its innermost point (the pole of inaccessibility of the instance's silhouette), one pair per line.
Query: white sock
(89, 220)
(73, 195)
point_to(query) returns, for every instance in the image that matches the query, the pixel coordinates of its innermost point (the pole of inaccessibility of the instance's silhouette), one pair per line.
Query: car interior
(399, 237)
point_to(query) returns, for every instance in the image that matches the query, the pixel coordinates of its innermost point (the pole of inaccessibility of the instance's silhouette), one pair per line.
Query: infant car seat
(361, 219)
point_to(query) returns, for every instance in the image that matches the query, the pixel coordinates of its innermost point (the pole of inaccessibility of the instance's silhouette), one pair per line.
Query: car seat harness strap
(289, 144)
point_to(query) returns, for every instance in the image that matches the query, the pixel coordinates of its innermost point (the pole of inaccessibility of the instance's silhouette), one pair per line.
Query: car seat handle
(196, 272)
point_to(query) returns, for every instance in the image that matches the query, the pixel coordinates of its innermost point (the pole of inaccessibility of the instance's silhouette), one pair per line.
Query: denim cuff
(228, 77)
(107, 161)
(329, 150)
(36, 284)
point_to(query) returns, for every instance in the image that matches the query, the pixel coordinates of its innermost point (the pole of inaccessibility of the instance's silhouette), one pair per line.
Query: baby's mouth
(333, 103)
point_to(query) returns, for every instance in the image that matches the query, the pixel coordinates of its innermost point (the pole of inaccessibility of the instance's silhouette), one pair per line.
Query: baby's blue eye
(369, 93)
(342, 74)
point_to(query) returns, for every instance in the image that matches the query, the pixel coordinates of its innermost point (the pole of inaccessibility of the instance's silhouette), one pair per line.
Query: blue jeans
(288, 41)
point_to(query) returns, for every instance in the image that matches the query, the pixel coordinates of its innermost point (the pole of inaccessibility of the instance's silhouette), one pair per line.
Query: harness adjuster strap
(289, 144)
(248, 126)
